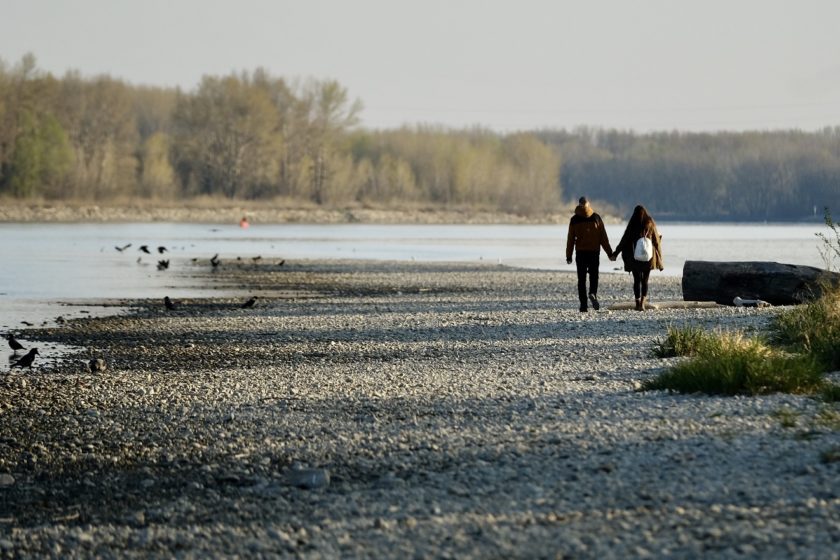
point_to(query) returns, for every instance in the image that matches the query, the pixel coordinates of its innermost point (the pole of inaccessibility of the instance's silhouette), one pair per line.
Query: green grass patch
(812, 328)
(682, 341)
(828, 418)
(731, 364)
(787, 417)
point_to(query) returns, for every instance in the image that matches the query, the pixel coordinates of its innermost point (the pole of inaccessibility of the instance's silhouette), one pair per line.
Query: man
(587, 235)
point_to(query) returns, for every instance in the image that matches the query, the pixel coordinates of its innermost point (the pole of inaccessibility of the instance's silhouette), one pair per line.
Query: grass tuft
(787, 417)
(731, 364)
(682, 341)
(812, 328)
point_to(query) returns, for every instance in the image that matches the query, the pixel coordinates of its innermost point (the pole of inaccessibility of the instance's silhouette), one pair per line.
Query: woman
(640, 225)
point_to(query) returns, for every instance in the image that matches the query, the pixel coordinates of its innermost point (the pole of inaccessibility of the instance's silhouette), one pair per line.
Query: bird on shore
(257, 258)
(215, 260)
(161, 249)
(145, 249)
(168, 303)
(123, 248)
(282, 262)
(250, 303)
(27, 360)
(163, 264)
(14, 344)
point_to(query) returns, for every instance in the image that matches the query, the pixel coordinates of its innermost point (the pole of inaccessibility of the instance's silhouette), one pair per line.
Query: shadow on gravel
(266, 336)
(409, 458)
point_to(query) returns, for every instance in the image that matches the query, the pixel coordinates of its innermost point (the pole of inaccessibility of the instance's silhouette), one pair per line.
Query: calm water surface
(78, 262)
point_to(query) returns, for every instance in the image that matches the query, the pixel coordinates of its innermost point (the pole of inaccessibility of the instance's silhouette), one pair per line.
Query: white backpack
(643, 251)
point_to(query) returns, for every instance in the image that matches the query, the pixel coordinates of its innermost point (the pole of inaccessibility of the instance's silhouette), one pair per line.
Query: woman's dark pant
(641, 274)
(587, 263)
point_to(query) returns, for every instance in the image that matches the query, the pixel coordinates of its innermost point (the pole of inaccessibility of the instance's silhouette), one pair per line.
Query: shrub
(830, 247)
(679, 342)
(812, 328)
(730, 364)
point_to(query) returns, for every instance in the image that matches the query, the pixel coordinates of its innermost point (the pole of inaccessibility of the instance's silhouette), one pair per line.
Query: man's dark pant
(587, 263)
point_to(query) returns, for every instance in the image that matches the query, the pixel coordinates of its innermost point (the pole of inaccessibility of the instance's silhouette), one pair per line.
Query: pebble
(309, 479)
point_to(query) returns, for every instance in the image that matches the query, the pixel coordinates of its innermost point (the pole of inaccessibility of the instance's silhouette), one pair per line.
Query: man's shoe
(595, 305)
(638, 305)
(583, 309)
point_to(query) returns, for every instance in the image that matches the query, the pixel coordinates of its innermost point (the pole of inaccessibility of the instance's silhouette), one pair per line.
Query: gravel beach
(381, 410)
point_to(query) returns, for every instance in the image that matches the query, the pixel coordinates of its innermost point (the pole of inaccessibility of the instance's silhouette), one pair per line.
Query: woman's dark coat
(628, 243)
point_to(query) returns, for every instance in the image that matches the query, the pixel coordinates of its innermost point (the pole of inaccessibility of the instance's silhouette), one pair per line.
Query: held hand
(568, 261)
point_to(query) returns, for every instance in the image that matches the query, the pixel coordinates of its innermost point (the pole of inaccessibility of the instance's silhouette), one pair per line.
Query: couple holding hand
(587, 235)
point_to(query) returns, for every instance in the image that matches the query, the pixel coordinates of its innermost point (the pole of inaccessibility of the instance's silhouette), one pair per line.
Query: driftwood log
(668, 304)
(775, 283)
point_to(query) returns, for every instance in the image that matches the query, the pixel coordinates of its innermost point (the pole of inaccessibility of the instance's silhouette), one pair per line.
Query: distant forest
(251, 135)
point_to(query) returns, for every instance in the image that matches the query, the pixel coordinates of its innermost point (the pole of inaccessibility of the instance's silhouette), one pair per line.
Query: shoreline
(227, 212)
(368, 409)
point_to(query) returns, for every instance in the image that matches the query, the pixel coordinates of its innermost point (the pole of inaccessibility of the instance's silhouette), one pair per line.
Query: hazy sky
(507, 65)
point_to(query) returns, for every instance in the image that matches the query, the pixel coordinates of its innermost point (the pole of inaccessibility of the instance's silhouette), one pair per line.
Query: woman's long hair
(639, 222)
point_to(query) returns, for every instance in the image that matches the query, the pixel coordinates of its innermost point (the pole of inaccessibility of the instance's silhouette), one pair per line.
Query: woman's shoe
(642, 304)
(639, 305)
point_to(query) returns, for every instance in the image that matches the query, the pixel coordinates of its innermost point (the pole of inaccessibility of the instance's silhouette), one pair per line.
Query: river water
(42, 264)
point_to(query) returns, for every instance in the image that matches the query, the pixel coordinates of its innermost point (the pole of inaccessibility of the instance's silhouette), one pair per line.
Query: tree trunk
(775, 283)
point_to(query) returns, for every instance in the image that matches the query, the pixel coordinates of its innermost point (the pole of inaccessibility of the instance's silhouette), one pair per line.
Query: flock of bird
(28, 359)
(162, 264)
(214, 263)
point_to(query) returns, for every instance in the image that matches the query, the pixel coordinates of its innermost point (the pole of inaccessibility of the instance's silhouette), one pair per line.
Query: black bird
(255, 259)
(282, 262)
(123, 248)
(13, 343)
(145, 249)
(163, 264)
(161, 249)
(168, 303)
(215, 260)
(27, 360)
(250, 303)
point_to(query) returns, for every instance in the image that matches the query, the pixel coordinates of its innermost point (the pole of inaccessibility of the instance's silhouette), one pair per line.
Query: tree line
(251, 135)
(780, 175)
